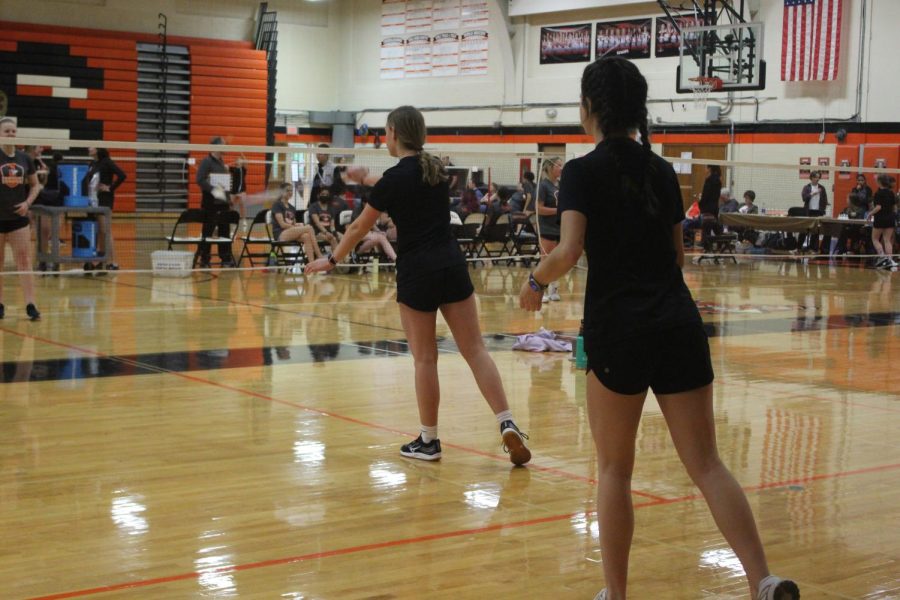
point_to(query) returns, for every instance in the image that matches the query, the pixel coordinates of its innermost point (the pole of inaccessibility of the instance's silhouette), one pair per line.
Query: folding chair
(494, 234)
(525, 241)
(230, 218)
(183, 232)
(286, 253)
(258, 240)
(468, 233)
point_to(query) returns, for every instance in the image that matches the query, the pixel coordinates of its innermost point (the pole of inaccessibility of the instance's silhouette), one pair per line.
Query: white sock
(504, 415)
(428, 433)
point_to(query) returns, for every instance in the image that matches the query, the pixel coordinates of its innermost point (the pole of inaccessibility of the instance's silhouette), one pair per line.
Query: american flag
(811, 40)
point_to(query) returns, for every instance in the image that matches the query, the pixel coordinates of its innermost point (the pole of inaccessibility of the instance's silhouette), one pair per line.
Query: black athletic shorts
(550, 237)
(10, 225)
(668, 362)
(428, 291)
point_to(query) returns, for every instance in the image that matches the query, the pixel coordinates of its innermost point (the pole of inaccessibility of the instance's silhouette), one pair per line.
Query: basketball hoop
(702, 86)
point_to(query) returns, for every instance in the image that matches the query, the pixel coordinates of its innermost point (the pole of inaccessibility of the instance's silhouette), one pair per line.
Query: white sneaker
(775, 588)
(546, 298)
(601, 595)
(554, 292)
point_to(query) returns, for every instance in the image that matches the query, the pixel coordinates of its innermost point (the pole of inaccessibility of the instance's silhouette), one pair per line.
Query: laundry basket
(171, 263)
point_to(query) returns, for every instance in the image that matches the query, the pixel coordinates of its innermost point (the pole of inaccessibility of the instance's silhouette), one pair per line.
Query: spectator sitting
(528, 190)
(859, 202)
(499, 206)
(377, 237)
(322, 218)
(749, 208)
(727, 204)
(470, 202)
(489, 197)
(285, 227)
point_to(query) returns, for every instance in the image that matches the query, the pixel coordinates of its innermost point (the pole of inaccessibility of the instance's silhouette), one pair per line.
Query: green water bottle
(580, 356)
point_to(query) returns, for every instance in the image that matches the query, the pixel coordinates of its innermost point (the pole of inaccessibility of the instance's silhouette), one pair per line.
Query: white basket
(170, 263)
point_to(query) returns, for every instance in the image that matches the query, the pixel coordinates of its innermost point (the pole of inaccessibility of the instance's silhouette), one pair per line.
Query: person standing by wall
(548, 216)
(212, 165)
(19, 188)
(102, 179)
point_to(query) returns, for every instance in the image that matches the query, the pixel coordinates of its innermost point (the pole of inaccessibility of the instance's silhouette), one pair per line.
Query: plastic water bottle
(580, 356)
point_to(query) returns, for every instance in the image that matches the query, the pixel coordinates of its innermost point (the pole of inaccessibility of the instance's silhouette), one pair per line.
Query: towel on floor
(542, 341)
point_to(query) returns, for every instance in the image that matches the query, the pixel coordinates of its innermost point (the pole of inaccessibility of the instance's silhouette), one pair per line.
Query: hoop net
(702, 88)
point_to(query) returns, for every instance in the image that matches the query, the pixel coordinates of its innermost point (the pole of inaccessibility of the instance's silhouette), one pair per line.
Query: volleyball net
(161, 185)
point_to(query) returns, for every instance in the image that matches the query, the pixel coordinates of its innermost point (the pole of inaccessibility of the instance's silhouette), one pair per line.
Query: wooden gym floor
(237, 435)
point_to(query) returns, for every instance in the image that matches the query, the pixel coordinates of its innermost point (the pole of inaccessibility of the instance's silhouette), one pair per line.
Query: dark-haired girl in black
(622, 205)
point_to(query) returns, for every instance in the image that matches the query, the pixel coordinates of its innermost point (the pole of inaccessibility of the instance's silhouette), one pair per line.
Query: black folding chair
(188, 231)
(257, 241)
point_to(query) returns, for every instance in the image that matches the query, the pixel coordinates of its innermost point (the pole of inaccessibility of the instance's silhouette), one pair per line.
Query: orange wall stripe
(216, 121)
(112, 63)
(49, 38)
(229, 83)
(42, 29)
(124, 127)
(216, 100)
(115, 53)
(244, 53)
(227, 112)
(301, 137)
(219, 61)
(34, 90)
(229, 72)
(118, 105)
(112, 115)
(118, 136)
(121, 86)
(112, 95)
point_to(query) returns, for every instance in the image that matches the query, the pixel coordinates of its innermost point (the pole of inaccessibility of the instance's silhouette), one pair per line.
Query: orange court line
(387, 544)
(657, 501)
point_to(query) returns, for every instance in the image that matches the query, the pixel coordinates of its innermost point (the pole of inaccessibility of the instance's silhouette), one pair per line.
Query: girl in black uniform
(622, 204)
(884, 220)
(432, 275)
(108, 177)
(19, 188)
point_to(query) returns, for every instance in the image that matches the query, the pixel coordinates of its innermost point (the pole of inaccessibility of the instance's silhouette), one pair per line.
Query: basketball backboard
(731, 52)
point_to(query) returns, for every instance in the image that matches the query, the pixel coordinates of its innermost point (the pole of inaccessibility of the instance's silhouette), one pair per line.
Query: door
(691, 184)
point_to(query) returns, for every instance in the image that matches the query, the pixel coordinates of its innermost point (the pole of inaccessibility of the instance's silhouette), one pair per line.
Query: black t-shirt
(14, 173)
(326, 217)
(634, 283)
(422, 215)
(287, 213)
(709, 197)
(884, 218)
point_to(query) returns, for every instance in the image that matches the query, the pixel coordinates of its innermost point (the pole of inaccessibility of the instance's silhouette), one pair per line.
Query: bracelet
(535, 284)
(331, 259)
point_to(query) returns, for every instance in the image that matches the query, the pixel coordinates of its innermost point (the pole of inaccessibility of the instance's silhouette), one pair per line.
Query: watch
(535, 285)
(331, 259)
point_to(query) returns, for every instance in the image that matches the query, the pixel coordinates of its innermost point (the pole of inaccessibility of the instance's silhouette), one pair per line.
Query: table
(823, 225)
(55, 214)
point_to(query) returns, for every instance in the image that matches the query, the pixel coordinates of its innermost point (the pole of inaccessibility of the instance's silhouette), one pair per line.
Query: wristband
(331, 259)
(535, 285)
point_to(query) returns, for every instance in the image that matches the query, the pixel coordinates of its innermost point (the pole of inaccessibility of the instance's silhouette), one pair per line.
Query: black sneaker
(2, 311)
(88, 267)
(419, 449)
(112, 267)
(514, 443)
(33, 313)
